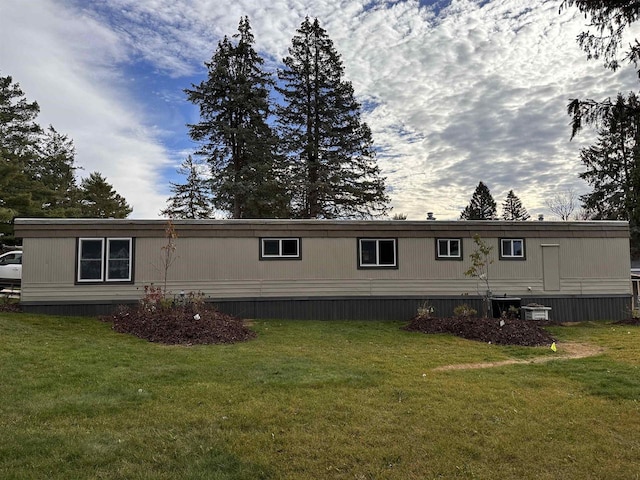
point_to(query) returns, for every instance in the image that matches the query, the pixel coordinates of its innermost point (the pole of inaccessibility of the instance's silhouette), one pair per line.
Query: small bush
(154, 299)
(464, 311)
(426, 310)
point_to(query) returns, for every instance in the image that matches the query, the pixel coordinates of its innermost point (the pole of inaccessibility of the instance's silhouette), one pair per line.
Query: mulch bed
(489, 330)
(628, 321)
(9, 307)
(182, 325)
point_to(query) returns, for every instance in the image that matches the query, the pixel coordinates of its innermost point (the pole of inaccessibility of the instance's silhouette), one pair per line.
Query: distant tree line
(38, 171)
(482, 206)
(308, 155)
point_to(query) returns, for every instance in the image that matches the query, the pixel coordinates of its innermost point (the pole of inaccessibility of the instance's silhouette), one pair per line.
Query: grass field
(313, 400)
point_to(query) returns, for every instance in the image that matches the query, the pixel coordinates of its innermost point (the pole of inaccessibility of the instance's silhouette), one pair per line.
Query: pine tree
(19, 135)
(191, 199)
(54, 174)
(482, 205)
(612, 163)
(608, 22)
(37, 171)
(236, 140)
(512, 208)
(613, 168)
(334, 172)
(610, 19)
(100, 200)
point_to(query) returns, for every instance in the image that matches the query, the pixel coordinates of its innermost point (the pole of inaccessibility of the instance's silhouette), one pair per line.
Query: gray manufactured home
(327, 269)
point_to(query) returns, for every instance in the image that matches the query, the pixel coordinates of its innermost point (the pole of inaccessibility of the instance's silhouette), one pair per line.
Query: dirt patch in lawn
(506, 331)
(565, 351)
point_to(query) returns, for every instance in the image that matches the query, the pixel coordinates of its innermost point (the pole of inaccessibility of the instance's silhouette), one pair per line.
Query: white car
(11, 266)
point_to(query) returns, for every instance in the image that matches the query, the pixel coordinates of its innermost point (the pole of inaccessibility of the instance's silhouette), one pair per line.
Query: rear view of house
(326, 269)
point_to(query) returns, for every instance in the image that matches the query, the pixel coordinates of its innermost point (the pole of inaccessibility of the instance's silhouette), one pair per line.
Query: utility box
(536, 312)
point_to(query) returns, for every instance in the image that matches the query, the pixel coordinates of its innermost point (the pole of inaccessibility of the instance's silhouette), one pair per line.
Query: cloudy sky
(455, 92)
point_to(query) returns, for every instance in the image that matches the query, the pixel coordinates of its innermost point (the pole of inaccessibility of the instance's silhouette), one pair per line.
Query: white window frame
(105, 251)
(448, 255)
(280, 255)
(511, 255)
(108, 259)
(377, 264)
(80, 260)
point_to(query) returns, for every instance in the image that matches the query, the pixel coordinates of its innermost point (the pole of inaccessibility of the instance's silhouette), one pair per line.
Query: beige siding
(591, 262)
(594, 257)
(319, 288)
(49, 260)
(198, 259)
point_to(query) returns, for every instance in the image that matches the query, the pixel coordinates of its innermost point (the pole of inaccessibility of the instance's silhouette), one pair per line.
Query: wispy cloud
(71, 64)
(455, 93)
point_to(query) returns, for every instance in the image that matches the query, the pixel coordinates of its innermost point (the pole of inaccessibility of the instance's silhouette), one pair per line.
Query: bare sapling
(480, 260)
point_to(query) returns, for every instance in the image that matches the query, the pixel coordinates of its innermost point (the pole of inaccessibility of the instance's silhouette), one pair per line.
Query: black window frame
(105, 260)
(280, 255)
(377, 265)
(513, 257)
(449, 257)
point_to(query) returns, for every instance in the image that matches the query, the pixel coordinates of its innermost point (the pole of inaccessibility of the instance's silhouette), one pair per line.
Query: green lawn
(312, 400)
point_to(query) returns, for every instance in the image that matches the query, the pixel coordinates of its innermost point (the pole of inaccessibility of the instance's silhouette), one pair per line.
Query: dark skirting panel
(563, 309)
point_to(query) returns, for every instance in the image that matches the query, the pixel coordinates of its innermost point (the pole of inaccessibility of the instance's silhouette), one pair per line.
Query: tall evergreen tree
(512, 208)
(191, 199)
(334, 172)
(37, 171)
(482, 206)
(613, 167)
(236, 140)
(609, 19)
(100, 200)
(54, 174)
(608, 22)
(19, 135)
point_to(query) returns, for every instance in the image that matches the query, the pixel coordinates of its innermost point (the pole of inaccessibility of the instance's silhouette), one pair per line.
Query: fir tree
(512, 208)
(608, 21)
(100, 200)
(613, 168)
(334, 172)
(482, 205)
(191, 199)
(236, 140)
(37, 168)
(54, 173)
(19, 135)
